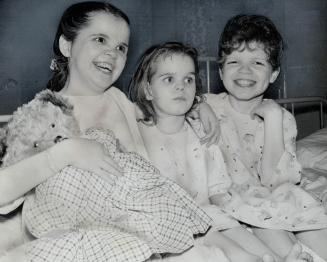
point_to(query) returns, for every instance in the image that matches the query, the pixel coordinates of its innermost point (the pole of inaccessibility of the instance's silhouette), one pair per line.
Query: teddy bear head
(36, 126)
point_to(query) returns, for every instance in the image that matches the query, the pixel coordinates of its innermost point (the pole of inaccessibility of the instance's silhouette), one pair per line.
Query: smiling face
(172, 86)
(98, 54)
(246, 72)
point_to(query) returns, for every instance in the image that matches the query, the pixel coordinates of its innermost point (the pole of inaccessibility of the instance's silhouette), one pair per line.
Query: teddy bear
(36, 126)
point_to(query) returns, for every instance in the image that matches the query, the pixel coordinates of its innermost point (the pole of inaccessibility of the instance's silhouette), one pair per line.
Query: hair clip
(54, 64)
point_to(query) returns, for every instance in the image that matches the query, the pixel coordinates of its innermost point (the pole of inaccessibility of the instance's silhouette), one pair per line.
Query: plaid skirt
(79, 216)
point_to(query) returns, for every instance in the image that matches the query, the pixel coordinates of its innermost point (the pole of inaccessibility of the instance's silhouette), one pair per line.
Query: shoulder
(217, 102)
(210, 97)
(114, 91)
(287, 116)
(119, 96)
(289, 124)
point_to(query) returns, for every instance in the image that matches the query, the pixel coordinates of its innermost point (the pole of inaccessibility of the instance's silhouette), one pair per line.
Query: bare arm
(18, 179)
(274, 146)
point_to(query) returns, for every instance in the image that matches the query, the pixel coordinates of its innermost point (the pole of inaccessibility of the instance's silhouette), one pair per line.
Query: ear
(65, 46)
(3, 144)
(47, 96)
(220, 73)
(148, 92)
(274, 75)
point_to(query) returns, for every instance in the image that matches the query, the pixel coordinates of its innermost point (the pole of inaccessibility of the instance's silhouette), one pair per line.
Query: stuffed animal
(36, 126)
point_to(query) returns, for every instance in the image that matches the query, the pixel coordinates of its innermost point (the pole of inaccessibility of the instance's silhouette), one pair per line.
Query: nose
(245, 68)
(58, 139)
(180, 86)
(111, 52)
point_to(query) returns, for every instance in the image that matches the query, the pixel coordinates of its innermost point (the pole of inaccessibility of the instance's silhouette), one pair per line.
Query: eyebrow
(171, 73)
(100, 34)
(124, 44)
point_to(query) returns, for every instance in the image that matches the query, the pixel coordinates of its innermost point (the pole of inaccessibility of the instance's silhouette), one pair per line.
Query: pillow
(312, 150)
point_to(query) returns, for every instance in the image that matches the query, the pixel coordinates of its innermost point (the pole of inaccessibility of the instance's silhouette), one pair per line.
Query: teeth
(245, 82)
(104, 65)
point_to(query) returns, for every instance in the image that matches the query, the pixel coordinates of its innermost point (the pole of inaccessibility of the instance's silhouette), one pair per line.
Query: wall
(27, 29)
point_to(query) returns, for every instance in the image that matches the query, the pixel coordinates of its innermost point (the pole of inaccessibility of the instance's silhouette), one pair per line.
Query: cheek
(192, 92)
(122, 61)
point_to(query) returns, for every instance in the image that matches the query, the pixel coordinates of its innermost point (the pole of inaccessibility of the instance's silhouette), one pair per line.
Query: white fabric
(312, 151)
(198, 169)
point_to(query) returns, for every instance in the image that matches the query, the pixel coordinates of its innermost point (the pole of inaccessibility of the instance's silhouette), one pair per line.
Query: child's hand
(210, 123)
(297, 255)
(89, 155)
(267, 108)
(221, 199)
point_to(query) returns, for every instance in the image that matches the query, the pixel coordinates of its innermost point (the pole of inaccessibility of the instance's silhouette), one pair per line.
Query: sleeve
(288, 168)
(218, 179)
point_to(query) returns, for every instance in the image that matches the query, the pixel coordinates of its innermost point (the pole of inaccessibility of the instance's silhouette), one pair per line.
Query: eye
(231, 62)
(259, 63)
(53, 125)
(100, 39)
(189, 80)
(122, 48)
(35, 144)
(168, 79)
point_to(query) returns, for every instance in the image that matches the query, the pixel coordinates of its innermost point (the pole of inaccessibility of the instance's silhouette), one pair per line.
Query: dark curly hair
(75, 18)
(146, 69)
(242, 29)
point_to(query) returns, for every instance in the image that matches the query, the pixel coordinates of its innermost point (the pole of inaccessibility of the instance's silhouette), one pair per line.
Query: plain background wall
(27, 29)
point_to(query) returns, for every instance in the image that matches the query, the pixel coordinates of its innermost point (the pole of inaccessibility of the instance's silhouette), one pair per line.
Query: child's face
(98, 54)
(172, 87)
(246, 73)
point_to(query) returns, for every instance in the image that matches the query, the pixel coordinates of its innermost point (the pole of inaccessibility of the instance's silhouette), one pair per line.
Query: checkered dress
(79, 216)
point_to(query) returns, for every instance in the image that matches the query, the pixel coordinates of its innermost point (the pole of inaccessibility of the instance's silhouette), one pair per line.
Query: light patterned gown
(280, 204)
(199, 170)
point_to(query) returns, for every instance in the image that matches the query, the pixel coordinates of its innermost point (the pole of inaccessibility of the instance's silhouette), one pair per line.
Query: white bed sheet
(312, 151)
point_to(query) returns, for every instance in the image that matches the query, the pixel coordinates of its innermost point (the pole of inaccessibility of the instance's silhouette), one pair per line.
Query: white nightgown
(277, 205)
(199, 170)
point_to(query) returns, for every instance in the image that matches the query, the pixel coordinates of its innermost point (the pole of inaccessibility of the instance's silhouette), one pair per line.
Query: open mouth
(104, 67)
(244, 82)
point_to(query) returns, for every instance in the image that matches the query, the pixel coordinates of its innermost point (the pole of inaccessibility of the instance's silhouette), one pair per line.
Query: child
(165, 86)
(257, 135)
(91, 46)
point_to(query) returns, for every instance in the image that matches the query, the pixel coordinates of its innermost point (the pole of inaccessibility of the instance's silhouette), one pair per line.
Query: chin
(244, 96)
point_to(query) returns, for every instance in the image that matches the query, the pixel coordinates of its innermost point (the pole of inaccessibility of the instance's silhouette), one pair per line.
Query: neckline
(182, 130)
(86, 96)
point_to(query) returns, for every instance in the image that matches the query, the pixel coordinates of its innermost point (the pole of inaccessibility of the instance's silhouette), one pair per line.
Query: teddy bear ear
(47, 96)
(3, 144)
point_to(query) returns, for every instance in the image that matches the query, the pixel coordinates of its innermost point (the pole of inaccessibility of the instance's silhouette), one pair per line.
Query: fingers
(212, 134)
(216, 135)
(297, 255)
(305, 257)
(208, 132)
(214, 139)
(268, 258)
